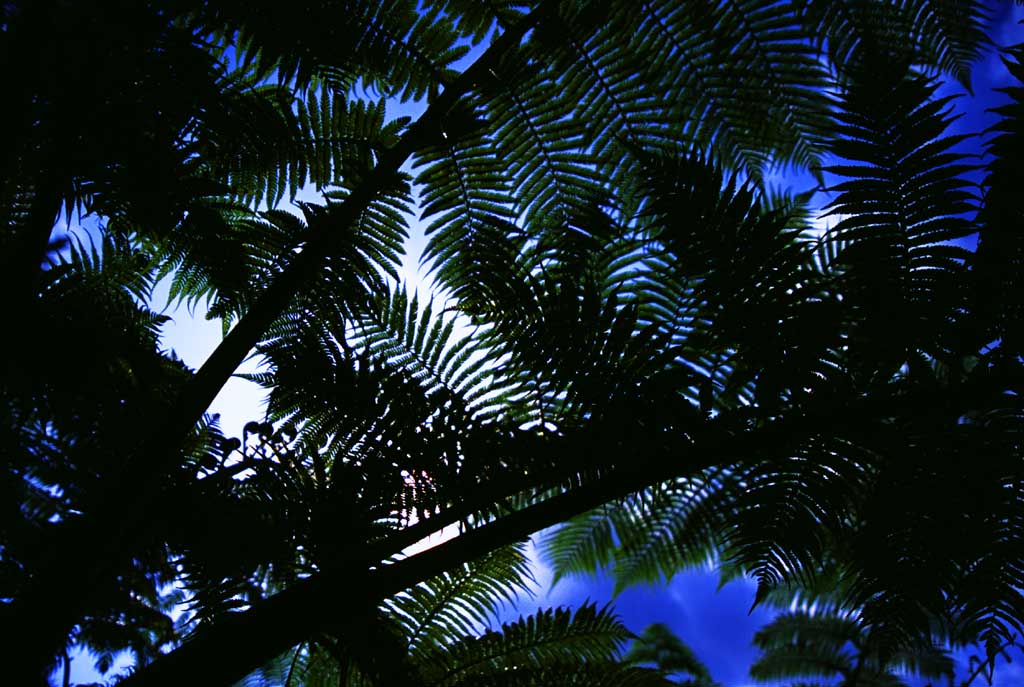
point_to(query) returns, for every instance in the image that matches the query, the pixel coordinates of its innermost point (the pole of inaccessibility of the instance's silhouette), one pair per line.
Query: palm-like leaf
(702, 292)
(900, 209)
(658, 532)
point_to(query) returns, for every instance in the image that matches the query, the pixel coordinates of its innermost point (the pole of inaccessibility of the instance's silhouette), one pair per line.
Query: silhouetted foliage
(818, 648)
(631, 333)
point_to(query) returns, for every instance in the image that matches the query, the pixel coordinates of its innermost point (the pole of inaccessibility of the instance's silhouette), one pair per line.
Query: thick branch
(91, 550)
(233, 648)
(238, 646)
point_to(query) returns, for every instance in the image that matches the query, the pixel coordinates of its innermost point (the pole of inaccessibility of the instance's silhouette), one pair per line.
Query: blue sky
(716, 623)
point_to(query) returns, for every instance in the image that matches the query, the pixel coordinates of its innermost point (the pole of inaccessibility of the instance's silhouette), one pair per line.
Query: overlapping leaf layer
(621, 305)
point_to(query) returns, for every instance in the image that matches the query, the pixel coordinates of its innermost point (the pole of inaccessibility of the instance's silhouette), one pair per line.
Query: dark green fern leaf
(456, 605)
(547, 639)
(997, 263)
(901, 203)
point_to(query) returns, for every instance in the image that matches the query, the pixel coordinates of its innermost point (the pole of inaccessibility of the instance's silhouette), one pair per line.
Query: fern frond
(546, 639)
(429, 350)
(466, 194)
(542, 147)
(766, 104)
(266, 144)
(583, 545)
(903, 200)
(657, 644)
(829, 645)
(754, 310)
(672, 527)
(386, 46)
(948, 35)
(449, 608)
(997, 263)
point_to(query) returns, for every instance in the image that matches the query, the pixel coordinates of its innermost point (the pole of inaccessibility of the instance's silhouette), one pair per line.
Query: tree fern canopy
(631, 332)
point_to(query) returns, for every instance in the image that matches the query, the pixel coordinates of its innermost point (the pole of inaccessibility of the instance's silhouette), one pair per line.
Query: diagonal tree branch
(236, 646)
(232, 648)
(88, 551)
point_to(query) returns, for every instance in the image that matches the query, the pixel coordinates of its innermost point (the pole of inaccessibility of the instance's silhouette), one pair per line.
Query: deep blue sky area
(717, 624)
